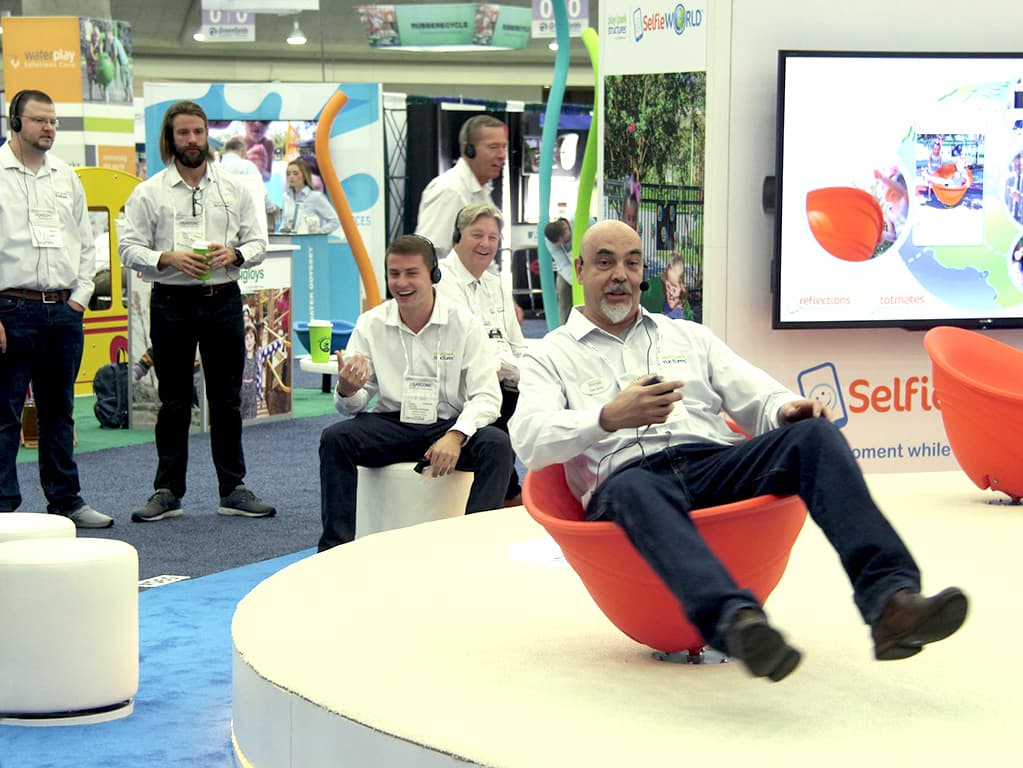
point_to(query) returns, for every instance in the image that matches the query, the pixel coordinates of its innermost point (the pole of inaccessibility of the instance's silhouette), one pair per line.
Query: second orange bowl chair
(753, 538)
(978, 385)
(951, 195)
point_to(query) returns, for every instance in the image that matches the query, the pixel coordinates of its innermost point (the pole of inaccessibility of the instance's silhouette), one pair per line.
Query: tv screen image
(899, 190)
(271, 145)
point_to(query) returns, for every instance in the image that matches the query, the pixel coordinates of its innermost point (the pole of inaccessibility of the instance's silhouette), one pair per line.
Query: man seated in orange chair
(630, 403)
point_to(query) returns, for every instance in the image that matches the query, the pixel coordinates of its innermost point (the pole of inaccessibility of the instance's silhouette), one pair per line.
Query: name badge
(419, 398)
(44, 225)
(188, 229)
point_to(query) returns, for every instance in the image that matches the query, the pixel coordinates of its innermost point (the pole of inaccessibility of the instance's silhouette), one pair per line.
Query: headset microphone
(644, 286)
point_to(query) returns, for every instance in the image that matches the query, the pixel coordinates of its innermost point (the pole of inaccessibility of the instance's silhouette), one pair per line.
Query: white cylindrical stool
(69, 639)
(397, 496)
(34, 525)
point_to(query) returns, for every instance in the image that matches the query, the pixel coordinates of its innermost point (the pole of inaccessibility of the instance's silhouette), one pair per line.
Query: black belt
(47, 297)
(211, 289)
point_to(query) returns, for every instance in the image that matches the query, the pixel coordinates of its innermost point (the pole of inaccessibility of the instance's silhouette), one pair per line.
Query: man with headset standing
(195, 302)
(47, 263)
(483, 142)
(468, 282)
(424, 368)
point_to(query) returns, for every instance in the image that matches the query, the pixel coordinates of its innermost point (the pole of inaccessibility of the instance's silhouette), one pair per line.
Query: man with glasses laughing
(195, 303)
(47, 263)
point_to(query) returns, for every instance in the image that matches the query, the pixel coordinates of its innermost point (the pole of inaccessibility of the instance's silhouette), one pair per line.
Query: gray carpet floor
(283, 469)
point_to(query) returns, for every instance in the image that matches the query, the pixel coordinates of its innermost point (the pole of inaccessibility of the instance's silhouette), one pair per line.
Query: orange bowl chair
(978, 384)
(752, 538)
(951, 196)
(846, 221)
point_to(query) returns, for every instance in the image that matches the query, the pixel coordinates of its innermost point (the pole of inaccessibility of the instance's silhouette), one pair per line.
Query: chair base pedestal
(705, 655)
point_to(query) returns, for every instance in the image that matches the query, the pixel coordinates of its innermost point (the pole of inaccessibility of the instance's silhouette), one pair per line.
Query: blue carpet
(182, 714)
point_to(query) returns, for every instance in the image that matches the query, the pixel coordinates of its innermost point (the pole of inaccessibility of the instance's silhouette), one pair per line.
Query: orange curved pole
(338, 199)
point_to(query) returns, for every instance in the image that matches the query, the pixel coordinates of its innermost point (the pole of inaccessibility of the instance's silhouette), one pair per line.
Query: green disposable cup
(319, 340)
(202, 248)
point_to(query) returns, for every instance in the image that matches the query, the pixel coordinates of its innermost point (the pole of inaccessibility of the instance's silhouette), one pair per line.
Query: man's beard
(191, 162)
(615, 312)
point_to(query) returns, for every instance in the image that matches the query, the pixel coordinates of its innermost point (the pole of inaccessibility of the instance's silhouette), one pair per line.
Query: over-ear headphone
(14, 114)
(435, 274)
(470, 150)
(456, 234)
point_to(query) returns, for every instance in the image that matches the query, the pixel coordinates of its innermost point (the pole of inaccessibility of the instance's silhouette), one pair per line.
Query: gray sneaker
(161, 505)
(87, 517)
(244, 502)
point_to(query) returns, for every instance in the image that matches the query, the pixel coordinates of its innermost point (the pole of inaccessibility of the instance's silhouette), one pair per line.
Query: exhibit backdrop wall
(882, 376)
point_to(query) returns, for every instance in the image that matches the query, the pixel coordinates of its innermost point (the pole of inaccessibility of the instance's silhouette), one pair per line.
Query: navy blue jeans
(379, 439)
(44, 346)
(182, 318)
(651, 499)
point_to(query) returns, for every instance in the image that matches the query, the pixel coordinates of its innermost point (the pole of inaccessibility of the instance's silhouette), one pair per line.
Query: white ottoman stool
(69, 639)
(33, 525)
(397, 496)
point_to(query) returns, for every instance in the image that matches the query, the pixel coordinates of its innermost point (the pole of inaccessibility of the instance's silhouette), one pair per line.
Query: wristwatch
(239, 259)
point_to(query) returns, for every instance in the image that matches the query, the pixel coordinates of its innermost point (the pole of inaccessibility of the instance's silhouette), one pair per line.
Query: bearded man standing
(195, 302)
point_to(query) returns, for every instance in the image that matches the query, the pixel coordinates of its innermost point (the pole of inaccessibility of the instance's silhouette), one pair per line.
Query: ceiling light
(297, 36)
(553, 45)
(198, 36)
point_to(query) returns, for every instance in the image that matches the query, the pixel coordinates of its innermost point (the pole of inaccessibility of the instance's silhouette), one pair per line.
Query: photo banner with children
(654, 90)
(85, 66)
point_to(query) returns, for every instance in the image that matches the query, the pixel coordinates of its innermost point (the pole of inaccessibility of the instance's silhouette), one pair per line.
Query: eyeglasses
(53, 122)
(196, 202)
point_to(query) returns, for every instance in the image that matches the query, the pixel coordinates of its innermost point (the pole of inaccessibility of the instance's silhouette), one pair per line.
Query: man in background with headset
(630, 402)
(423, 367)
(47, 263)
(468, 282)
(483, 142)
(195, 301)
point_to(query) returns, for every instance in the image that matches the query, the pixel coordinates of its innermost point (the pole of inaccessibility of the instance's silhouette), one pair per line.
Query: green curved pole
(588, 172)
(552, 117)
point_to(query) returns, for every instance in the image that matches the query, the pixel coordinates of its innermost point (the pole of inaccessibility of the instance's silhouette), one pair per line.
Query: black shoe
(760, 646)
(909, 621)
(161, 505)
(244, 502)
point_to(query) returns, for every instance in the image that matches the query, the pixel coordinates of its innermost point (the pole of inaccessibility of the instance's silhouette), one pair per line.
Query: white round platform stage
(468, 641)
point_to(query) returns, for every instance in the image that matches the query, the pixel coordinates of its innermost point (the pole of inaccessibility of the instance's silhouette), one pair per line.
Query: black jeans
(651, 499)
(509, 399)
(379, 439)
(44, 346)
(182, 318)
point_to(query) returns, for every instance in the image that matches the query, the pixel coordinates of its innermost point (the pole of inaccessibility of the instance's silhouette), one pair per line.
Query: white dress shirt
(55, 187)
(562, 256)
(234, 163)
(577, 369)
(451, 348)
(490, 301)
(308, 202)
(230, 219)
(443, 198)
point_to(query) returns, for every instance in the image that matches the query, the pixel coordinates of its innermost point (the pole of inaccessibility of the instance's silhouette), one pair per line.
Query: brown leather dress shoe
(909, 621)
(760, 646)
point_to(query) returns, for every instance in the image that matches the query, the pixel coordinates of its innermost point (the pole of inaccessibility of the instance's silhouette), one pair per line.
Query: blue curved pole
(552, 116)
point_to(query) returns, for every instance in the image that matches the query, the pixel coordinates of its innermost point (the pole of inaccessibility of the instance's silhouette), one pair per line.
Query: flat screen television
(898, 197)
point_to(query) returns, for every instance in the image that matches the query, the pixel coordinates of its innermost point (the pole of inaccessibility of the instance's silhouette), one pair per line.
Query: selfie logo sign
(677, 20)
(821, 383)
